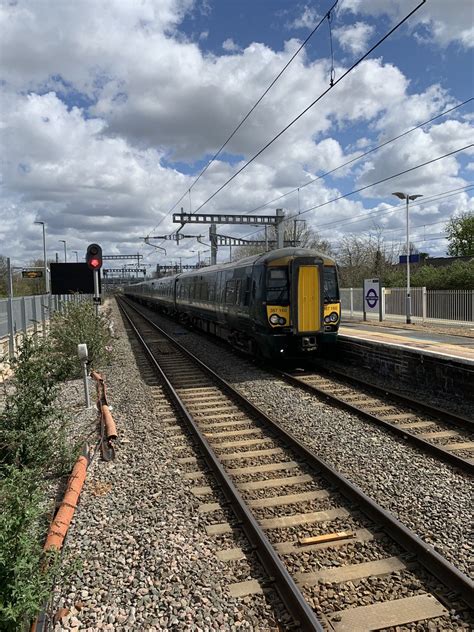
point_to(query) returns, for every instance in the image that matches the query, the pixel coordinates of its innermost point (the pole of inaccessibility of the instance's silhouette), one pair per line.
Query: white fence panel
(427, 305)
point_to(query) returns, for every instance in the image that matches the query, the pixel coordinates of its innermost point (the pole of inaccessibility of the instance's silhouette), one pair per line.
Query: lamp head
(400, 195)
(413, 197)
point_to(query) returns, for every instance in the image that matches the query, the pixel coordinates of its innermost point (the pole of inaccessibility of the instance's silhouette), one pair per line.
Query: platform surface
(432, 343)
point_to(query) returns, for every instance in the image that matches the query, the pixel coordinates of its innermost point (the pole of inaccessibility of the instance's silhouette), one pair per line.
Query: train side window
(238, 291)
(246, 292)
(230, 292)
(331, 289)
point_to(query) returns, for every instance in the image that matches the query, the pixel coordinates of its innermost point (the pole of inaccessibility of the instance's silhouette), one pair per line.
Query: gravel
(146, 562)
(428, 496)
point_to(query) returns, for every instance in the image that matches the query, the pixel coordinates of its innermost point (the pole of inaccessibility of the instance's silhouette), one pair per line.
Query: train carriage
(283, 303)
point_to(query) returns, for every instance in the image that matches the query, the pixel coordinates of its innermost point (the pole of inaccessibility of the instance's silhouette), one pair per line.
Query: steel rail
(289, 592)
(436, 564)
(436, 450)
(454, 419)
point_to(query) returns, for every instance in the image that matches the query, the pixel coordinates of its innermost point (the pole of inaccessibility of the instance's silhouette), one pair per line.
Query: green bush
(457, 276)
(78, 324)
(31, 426)
(26, 574)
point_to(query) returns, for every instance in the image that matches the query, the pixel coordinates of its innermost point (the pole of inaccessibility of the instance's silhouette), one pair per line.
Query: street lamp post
(76, 252)
(46, 278)
(65, 250)
(405, 196)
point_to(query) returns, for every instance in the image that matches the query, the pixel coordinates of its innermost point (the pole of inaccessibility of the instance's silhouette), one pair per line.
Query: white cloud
(229, 45)
(354, 38)
(442, 21)
(307, 20)
(102, 172)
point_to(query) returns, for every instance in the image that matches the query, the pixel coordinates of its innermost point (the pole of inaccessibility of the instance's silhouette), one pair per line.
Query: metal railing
(442, 306)
(30, 314)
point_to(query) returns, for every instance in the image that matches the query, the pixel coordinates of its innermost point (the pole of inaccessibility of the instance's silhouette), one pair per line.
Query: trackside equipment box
(72, 278)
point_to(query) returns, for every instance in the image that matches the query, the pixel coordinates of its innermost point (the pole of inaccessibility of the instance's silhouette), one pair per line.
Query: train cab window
(277, 286)
(331, 289)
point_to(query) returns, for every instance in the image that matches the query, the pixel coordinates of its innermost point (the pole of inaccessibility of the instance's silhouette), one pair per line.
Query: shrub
(78, 324)
(25, 578)
(31, 426)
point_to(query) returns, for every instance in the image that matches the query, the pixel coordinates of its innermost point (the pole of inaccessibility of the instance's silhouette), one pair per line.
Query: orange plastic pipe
(110, 429)
(62, 520)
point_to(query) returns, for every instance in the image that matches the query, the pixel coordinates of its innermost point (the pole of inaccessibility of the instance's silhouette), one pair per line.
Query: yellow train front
(280, 304)
(299, 307)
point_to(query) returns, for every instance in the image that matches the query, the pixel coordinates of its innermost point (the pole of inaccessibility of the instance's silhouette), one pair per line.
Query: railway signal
(94, 257)
(94, 261)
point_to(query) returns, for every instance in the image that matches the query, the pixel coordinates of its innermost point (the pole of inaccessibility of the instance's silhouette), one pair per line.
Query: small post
(24, 324)
(423, 304)
(84, 356)
(351, 293)
(34, 314)
(96, 292)
(11, 338)
(382, 304)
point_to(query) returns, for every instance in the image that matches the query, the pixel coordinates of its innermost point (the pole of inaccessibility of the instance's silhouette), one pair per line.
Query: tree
(460, 233)
(363, 256)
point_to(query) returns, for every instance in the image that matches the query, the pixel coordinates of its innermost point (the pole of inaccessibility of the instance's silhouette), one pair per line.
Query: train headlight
(281, 320)
(327, 319)
(274, 319)
(333, 317)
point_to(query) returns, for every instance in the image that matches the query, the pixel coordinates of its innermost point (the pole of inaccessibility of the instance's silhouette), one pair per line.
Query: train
(283, 303)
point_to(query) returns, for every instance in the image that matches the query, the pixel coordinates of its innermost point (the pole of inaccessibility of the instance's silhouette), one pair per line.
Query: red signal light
(94, 257)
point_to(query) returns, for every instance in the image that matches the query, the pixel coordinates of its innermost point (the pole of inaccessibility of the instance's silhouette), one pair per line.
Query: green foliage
(78, 324)
(25, 578)
(460, 233)
(457, 276)
(31, 427)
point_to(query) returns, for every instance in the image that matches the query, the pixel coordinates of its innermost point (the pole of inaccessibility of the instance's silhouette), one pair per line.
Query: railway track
(445, 435)
(303, 519)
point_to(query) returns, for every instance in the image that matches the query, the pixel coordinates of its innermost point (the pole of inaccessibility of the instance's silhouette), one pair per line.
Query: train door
(307, 296)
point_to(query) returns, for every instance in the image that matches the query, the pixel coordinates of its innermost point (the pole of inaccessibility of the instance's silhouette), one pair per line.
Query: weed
(78, 324)
(26, 572)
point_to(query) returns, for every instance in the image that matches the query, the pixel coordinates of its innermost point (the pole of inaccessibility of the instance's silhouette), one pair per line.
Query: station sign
(372, 298)
(32, 274)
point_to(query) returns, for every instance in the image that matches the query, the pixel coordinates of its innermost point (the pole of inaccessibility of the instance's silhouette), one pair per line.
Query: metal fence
(30, 314)
(449, 306)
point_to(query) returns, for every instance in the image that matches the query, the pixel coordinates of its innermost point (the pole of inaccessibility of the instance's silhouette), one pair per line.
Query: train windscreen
(277, 286)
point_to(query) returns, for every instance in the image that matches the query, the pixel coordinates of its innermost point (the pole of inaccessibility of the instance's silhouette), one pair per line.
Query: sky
(110, 109)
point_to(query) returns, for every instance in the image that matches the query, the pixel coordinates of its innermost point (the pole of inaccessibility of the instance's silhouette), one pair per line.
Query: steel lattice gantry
(220, 218)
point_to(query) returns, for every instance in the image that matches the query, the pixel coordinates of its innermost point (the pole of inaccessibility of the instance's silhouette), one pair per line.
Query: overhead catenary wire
(365, 153)
(254, 106)
(395, 207)
(311, 105)
(381, 181)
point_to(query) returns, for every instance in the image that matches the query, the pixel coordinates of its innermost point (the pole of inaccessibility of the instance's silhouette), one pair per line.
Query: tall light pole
(76, 253)
(46, 278)
(65, 250)
(405, 196)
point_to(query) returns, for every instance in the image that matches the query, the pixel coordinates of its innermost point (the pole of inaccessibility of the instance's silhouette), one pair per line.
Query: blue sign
(372, 298)
(413, 258)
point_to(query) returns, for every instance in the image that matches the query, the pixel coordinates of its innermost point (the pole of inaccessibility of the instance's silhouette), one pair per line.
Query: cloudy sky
(110, 109)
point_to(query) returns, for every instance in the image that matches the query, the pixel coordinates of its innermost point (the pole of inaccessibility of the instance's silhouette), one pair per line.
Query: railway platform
(433, 360)
(424, 341)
